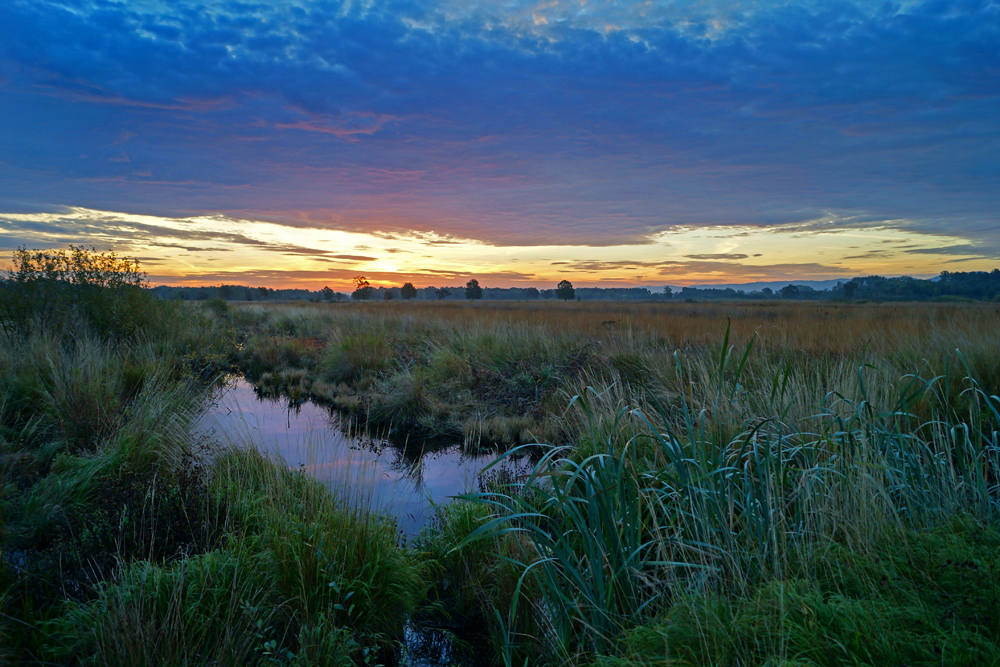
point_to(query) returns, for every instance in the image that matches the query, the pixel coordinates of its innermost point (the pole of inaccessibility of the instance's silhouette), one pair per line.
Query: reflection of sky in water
(373, 472)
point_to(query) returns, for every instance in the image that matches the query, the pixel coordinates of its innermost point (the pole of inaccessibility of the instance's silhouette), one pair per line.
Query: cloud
(961, 249)
(718, 255)
(355, 258)
(748, 273)
(390, 116)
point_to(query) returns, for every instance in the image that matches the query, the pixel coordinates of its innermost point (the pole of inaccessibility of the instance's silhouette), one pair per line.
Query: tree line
(972, 285)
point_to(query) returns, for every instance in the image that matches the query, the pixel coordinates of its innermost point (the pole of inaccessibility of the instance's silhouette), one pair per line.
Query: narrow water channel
(382, 476)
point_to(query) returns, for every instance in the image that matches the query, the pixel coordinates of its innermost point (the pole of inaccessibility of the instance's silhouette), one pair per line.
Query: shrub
(61, 290)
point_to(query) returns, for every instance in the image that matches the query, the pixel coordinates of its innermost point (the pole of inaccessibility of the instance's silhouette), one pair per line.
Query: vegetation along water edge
(711, 483)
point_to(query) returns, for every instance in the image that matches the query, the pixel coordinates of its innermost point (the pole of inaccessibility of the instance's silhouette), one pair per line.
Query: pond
(403, 480)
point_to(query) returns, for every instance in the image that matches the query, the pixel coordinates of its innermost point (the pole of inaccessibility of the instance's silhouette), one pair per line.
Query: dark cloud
(748, 273)
(719, 255)
(355, 258)
(271, 277)
(111, 228)
(471, 123)
(964, 249)
(718, 267)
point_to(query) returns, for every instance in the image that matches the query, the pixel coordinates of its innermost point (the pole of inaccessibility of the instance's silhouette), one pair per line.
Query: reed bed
(502, 373)
(130, 538)
(710, 484)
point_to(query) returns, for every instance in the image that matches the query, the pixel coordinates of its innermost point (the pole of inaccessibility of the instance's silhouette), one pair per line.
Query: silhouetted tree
(473, 290)
(789, 291)
(850, 287)
(531, 292)
(327, 294)
(564, 290)
(408, 291)
(389, 295)
(667, 292)
(442, 293)
(363, 289)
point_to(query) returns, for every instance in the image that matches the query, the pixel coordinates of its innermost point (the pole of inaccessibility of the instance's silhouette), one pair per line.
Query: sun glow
(219, 249)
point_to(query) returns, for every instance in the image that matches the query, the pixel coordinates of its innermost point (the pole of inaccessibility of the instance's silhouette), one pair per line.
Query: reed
(128, 538)
(679, 506)
(501, 373)
(712, 484)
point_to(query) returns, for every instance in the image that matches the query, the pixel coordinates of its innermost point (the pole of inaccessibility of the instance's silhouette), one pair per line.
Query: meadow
(710, 484)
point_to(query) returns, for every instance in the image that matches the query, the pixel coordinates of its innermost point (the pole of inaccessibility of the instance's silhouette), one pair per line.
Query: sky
(302, 143)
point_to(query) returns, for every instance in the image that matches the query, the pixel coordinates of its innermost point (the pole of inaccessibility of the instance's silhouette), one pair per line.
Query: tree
(389, 295)
(531, 292)
(443, 293)
(362, 289)
(473, 290)
(408, 291)
(850, 287)
(789, 291)
(667, 292)
(564, 290)
(327, 294)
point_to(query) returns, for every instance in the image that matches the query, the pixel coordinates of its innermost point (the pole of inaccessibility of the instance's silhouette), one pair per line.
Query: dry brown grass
(503, 371)
(811, 327)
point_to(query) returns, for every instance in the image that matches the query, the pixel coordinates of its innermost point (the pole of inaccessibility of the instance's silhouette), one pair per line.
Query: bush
(63, 290)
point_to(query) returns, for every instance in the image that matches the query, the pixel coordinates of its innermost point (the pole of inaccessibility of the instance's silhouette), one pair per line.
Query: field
(712, 484)
(503, 373)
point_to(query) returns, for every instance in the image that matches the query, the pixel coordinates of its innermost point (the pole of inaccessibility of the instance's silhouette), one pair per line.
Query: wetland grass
(733, 484)
(128, 539)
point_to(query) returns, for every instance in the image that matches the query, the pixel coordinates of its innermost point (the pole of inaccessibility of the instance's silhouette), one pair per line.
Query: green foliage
(324, 558)
(357, 356)
(127, 540)
(213, 608)
(64, 290)
(950, 286)
(921, 598)
(475, 580)
(616, 540)
(472, 290)
(564, 290)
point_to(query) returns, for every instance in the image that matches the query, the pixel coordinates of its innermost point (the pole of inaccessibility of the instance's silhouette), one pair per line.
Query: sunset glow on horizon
(302, 143)
(219, 250)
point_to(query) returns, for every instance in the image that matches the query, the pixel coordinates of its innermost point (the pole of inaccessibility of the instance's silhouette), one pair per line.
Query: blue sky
(618, 132)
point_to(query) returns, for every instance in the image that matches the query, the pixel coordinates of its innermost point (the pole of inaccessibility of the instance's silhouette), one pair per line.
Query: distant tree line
(976, 285)
(949, 286)
(972, 285)
(245, 293)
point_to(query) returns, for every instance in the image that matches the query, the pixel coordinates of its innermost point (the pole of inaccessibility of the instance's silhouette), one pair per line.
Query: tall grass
(740, 479)
(502, 372)
(677, 504)
(129, 539)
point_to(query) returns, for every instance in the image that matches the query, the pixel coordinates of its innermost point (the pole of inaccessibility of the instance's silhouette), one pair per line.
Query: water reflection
(403, 480)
